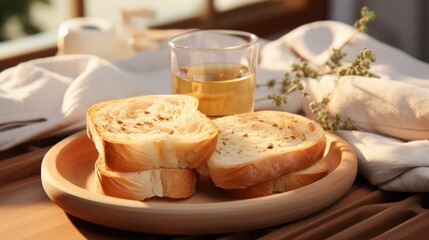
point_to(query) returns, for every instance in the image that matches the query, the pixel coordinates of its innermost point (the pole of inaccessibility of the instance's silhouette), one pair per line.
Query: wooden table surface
(364, 212)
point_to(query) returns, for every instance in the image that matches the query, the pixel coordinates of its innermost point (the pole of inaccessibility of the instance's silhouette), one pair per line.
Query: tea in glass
(217, 67)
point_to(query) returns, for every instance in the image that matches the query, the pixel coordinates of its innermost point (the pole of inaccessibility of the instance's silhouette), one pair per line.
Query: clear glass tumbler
(217, 67)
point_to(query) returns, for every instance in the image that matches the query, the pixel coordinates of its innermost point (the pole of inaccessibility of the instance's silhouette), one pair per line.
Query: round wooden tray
(68, 179)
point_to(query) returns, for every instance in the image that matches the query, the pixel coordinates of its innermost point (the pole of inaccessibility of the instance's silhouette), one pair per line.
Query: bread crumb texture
(244, 136)
(155, 115)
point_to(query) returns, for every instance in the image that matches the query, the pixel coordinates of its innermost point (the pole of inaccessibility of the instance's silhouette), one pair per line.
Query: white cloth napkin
(393, 107)
(390, 163)
(50, 96)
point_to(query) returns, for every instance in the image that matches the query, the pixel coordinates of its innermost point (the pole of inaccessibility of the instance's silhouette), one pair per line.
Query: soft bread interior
(248, 137)
(151, 118)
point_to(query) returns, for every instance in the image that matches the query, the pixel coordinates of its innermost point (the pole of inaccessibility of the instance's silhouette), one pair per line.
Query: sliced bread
(153, 131)
(159, 182)
(259, 146)
(283, 183)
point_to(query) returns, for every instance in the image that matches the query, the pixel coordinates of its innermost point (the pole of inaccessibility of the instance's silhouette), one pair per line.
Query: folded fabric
(390, 163)
(50, 96)
(383, 105)
(394, 105)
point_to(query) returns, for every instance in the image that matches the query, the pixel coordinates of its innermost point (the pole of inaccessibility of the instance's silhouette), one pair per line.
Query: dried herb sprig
(360, 66)
(367, 16)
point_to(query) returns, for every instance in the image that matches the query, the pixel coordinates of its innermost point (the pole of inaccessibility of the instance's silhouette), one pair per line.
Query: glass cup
(217, 67)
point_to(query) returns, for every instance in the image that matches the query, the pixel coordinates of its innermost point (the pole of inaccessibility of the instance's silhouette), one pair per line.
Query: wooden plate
(68, 179)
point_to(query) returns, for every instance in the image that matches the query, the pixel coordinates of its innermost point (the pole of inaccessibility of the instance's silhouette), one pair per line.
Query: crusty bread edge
(281, 163)
(287, 182)
(119, 157)
(175, 183)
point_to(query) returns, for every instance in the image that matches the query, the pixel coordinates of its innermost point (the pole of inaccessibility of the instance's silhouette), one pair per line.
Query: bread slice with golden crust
(283, 183)
(153, 131)
(141, 185)
(259, 146)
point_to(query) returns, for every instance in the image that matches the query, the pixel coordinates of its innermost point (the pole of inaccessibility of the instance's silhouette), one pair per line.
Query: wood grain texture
(21, 166)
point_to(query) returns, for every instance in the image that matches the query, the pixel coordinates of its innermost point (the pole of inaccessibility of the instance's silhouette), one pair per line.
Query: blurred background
(29, 28)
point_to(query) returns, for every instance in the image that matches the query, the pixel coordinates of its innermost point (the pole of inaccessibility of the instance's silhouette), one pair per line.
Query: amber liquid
(222, 89)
